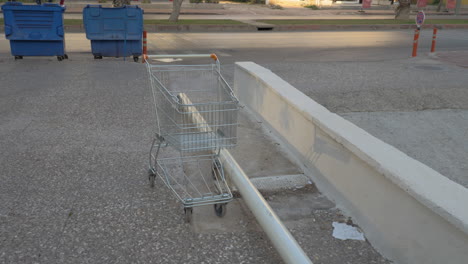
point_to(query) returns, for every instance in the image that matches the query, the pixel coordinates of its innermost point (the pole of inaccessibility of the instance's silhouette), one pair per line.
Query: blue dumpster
(35, 30)
(114, 32)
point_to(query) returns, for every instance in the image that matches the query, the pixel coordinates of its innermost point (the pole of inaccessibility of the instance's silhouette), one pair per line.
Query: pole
(125, 43)
(145, 48)
(415, 42)
(434, 34)
(282, 240)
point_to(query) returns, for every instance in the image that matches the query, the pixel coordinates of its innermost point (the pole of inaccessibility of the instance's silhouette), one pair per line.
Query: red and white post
(434, 35)
(415, 42)
(145, 47)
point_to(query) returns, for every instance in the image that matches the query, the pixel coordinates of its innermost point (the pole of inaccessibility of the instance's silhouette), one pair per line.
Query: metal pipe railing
(280, 237)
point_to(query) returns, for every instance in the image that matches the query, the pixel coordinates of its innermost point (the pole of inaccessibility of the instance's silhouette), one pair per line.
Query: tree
(403, 10)
(439, 6)
(176, 4)
(120, 3)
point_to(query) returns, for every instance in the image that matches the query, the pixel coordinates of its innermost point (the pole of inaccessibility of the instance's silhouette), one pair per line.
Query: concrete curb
(363, 27)
(199, 28)
(253, 28)
(250, 28)
(272, 184)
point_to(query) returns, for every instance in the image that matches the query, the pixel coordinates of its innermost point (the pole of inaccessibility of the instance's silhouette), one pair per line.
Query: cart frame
(196, 119)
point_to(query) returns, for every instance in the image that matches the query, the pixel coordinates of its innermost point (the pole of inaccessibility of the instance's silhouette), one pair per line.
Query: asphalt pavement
(75, 136)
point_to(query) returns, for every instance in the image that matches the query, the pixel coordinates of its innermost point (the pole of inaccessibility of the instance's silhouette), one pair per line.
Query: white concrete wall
(408, 211)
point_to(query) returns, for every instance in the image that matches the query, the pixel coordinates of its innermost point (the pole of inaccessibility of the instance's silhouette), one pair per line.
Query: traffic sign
(420, 18)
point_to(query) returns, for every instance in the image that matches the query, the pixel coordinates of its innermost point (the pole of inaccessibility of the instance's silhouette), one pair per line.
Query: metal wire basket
(196, 115)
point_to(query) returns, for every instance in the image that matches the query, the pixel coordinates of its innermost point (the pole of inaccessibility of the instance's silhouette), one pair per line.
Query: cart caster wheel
(220, 209)
(59, 58)
(97, 57)
(188, 214)
(135, 59)
(65, 56)
(18, 57)
(151, 178)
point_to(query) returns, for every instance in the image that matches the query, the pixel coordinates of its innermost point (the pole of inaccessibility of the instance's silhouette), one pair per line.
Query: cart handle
(213, 56)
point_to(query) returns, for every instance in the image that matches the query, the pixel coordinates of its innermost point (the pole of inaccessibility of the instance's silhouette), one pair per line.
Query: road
(308, 46)
(265, 47)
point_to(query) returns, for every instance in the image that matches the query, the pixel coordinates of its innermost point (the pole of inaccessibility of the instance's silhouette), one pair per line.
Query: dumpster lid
(12, 4)
(120, 7)
(20, 6)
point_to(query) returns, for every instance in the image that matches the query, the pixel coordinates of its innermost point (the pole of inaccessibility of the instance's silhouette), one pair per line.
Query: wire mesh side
(195, 107)
(195, 180)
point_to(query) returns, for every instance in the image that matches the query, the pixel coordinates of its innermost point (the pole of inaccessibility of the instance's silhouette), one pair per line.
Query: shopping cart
(196, 116)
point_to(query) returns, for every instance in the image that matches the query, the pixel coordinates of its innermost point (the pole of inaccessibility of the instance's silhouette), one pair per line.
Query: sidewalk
(250, 15)
(248, 11)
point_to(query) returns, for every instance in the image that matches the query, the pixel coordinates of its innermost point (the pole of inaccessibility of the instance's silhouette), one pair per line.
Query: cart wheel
(188, 214)
(65, 56)
(151, 178)
(135, 59)
(97, 57)
(59, 58)
(18, 57)
(220, 209)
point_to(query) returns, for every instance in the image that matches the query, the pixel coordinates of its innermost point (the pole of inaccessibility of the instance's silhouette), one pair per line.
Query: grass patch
(313, 7)
(193, 22)
(262, 2)
(70, 22)
(446, 21)
(361, 21)
(275, 7)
